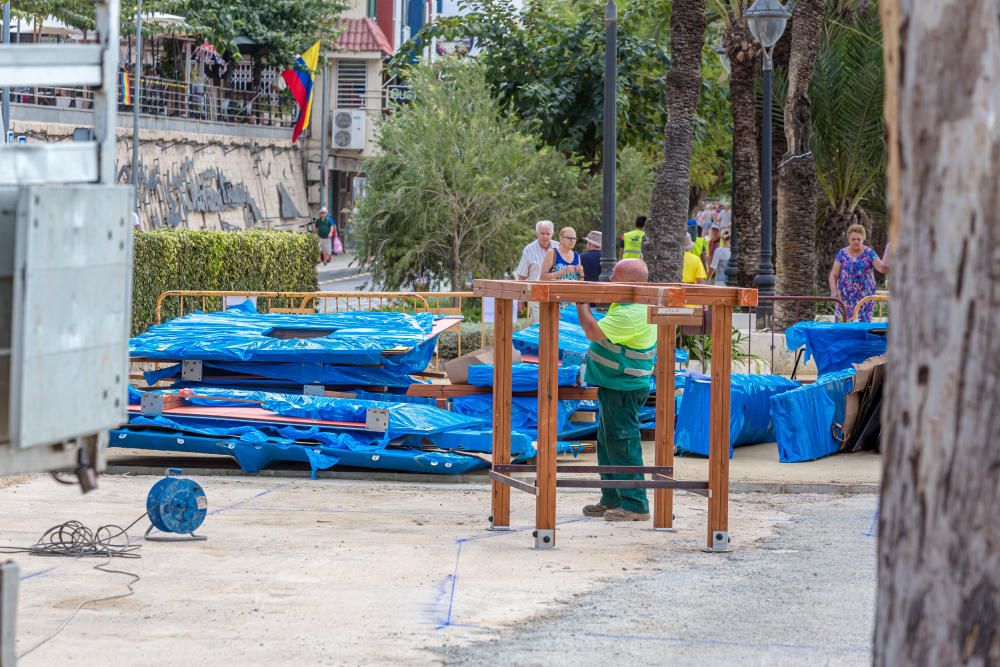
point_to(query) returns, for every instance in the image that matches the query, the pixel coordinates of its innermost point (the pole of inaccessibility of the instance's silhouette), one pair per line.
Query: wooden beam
(548, 424)
(718, 448)
(690, 317)
(503, 349)
(663, 499)
(453, 390)
(569, 291)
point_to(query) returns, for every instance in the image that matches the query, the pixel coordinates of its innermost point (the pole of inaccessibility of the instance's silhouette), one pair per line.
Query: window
(372, 11)
(352, 82)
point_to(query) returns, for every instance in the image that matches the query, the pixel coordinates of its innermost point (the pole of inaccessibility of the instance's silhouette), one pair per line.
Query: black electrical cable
(75, 540)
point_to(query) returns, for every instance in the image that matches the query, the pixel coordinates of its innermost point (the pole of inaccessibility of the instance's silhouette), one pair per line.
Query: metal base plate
(720, 542)
(545, 539)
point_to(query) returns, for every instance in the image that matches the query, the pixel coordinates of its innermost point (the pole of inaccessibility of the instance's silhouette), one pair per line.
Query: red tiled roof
(362, 35)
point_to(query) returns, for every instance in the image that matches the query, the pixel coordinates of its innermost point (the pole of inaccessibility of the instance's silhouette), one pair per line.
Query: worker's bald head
(630, 271)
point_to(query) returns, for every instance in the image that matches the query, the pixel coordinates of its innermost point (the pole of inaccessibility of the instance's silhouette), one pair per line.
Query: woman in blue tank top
(563, 262)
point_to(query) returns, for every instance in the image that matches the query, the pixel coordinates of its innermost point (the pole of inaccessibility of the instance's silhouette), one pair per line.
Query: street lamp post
(136, 101)
(609, 152)
(767, 20)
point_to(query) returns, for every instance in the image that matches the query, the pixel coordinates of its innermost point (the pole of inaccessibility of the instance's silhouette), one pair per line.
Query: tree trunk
(832, 236)
(668, 209)
(744, 57)
(939, 536)
(795, 235)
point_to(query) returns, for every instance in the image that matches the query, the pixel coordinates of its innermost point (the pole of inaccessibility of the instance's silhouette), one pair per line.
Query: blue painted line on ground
(38, 573)
(860, 650)
(246, 500)
(453, 577)
(874, 524)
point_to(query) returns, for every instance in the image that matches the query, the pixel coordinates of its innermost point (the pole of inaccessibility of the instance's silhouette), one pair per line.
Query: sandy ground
(333, 572)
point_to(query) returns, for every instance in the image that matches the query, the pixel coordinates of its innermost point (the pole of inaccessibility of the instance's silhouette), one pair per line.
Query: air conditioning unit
(349, 129)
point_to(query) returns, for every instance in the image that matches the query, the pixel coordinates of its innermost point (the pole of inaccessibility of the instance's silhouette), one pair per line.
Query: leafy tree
(458, 185)
(546, 62)
(281, 28)
(848, 130)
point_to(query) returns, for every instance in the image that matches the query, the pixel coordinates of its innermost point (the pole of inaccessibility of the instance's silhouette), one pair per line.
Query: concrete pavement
(330, 572)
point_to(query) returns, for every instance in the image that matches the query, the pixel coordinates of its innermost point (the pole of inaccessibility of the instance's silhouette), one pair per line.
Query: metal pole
(136, 101)
(9, 579)
(764, 281)
(323, 129)
(5, 108)
(609, 152)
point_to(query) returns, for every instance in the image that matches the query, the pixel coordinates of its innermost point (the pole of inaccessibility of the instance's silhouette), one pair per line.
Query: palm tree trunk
(668, 208)
(938, 561)
(796, 229)
(745, 61)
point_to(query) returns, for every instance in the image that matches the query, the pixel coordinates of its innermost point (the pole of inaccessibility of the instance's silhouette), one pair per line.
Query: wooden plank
(453, 390)
(656, 294)
(548, 421)
(502, 382)
(583, 417)
(578, 468)
(663, 499)
(718, 448)
(248, 414)
(677, 316)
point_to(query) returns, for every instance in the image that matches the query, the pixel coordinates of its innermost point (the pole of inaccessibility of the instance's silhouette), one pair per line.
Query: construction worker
(620, 363)
(632, 241)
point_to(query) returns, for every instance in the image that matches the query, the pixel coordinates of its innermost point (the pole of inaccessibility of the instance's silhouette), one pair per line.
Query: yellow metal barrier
(443, 303)
(297, 302)
(881, 298)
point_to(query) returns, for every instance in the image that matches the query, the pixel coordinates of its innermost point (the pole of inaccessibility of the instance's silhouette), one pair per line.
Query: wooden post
(502, 346)
(663, 499)
(718, 449)
(548, 395)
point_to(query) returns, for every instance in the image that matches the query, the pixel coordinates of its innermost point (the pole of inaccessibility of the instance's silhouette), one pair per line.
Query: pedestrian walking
(325, 231)
(714, 238)
(720, 261)
(530, 266)
(632, 240)
(852, 277)
(591, 257)
(620, 363)
(693, 271)
(563, 262)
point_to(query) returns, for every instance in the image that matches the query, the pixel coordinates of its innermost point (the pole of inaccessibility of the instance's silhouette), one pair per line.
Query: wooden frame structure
(669, 309)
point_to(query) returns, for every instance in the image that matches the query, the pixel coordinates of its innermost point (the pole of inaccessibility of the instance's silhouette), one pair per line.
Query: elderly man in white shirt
(530, 266)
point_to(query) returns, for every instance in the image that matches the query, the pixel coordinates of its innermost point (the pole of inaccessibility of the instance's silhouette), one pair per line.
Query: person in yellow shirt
(694, 270)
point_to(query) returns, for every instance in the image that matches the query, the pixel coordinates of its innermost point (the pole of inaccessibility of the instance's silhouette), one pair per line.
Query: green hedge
(260, 261)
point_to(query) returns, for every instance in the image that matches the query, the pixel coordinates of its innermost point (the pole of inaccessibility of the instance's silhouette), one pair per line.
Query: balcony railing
(176, 99)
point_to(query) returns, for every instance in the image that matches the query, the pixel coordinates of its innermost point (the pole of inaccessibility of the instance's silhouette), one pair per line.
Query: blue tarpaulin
(524, 377)
(750, 406)
(837, 345)
(804, 418)
(235, 374)
(400, 340)
(415, 431)
(573, 342)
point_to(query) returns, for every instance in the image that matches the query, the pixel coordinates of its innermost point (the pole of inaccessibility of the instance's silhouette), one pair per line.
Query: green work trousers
(619, 444)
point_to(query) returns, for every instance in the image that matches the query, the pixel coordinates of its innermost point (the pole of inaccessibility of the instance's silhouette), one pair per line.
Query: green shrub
(261, 261)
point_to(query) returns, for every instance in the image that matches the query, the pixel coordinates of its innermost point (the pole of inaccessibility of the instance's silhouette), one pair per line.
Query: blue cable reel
(176, 505)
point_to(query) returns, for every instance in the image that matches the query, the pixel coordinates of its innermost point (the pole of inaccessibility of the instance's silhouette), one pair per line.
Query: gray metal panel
(50, 65)
(106, 97)
(72, 287)
(29, 164)
(8, 211)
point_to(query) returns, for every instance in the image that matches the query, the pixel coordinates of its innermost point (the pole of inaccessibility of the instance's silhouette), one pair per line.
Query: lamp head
(767, 20)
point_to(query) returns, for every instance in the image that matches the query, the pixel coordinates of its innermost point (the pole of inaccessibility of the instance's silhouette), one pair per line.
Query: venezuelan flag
(124, 89)
(300, 82)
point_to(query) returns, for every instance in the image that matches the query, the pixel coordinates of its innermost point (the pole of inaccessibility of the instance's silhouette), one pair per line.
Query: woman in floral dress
(853, 274)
